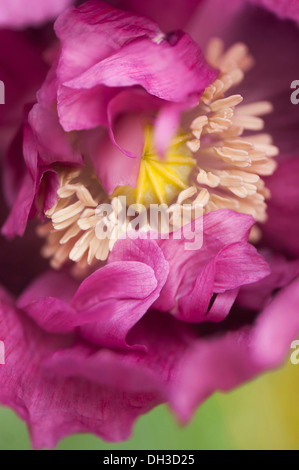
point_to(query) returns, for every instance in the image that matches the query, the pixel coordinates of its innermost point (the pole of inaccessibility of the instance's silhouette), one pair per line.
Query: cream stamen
(230, 166)
(71, 234)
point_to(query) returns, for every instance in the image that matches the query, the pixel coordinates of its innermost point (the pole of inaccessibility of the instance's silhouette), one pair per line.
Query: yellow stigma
(160, 180)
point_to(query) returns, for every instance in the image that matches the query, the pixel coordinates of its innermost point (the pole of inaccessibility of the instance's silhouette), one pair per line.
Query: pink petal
(16, 14)
(53, 406)
(18, 217)
(239, 264)
(193, 307)
(273, 44)
(83, 109)
(106, 28)
(159, 10)
(22, 71)
(135, 294)
(258, 295)
(220, 229)
(235, 265)
(283, 8)
(166, 125)
(277, 327)
(235, 357)
(222, 305)
(180, 366)
(90, 77)
(281, 230)
(51, 284)
(136, 102)
(130, 66)
(124, 371)
(112, 167)
(212, 20)
(44, 122)
(130, 288)
(39, 153)
(133, 280)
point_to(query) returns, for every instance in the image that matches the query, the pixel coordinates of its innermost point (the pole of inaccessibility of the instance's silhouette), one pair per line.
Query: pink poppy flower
(129, 320)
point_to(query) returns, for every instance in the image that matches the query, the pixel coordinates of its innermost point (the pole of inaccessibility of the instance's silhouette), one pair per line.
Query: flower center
(216, 162)
(160, 179)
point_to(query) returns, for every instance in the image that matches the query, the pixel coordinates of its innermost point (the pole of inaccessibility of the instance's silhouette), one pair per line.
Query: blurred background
(262, 415)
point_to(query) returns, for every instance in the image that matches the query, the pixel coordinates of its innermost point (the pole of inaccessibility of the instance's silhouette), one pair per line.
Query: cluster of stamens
(71, 232)
(229, 164)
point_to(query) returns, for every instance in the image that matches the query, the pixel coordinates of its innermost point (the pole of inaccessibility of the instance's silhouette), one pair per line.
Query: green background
(263, 414)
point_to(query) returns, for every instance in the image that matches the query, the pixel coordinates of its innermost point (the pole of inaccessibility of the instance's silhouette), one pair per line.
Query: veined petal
(130, 66)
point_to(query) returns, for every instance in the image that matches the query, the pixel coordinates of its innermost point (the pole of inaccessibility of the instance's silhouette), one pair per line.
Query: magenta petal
(227, 361)
(119, 305)
(220, 229)
(281, 230)
(283, 8)
(104, 76)
(22, 71)
(13, 168)
(130, 66)
(44, 122)
(39, 154)
(126, 114)
(132, 107)
(277, 327)
(239, 264)
(212, 20)
(193, 307)
(17, 14)
(18, 217)
(107, 30)
(159, 10)
(108, 303)
(47, 300)
(125, 371)
(83, 109)
(258, 295)
(133, 280)
(189, 367)
(235, 265)
(166, 125)
(222, 305)
(24, 207)
(53, 406)
(52, 315)
(112, 167)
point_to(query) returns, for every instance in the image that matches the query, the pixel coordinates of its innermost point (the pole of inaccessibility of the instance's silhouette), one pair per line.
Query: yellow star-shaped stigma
(160, 179)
